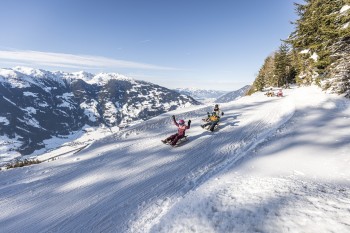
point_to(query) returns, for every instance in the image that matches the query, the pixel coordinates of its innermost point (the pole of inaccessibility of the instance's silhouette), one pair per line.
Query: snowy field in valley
(274, 165)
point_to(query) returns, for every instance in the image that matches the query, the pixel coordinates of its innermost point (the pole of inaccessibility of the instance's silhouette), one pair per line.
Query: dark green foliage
(338, 75)
(282, 66)
(319, 27)
(22, 163)
(278, 70)
(320, 49)
(265, 75)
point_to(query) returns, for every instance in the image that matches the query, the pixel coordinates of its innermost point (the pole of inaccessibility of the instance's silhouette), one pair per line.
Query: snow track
(129, 182)
(252, 204)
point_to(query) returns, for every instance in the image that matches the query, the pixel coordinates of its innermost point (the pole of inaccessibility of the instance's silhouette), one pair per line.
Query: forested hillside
(317, 51)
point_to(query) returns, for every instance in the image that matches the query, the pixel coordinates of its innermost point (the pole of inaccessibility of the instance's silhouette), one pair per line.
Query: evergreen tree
(339, 71)
(265, 75)
(319, 26)
(320, 49)
(282, 66)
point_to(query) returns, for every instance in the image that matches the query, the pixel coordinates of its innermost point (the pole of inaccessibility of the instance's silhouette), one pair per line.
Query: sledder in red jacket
(180, 131)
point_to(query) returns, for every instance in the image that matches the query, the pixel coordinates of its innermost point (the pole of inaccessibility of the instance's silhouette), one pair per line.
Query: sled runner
(208, 127)
(181, 140)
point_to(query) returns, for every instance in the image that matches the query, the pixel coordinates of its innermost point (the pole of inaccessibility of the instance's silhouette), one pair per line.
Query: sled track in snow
(116, 180)
(237, 143)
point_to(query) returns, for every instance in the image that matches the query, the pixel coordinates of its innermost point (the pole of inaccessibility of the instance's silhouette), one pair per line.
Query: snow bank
(235, 203)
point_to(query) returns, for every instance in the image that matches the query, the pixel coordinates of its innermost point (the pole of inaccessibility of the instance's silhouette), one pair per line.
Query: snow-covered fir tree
(319, 51)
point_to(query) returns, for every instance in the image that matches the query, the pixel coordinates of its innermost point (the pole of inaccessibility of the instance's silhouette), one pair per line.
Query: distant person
(173, 139)
(218, 111)
(270, 93)
(279, 93)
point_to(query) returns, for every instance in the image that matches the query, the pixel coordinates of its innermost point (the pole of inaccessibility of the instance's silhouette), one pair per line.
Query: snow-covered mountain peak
(30, 71)
(83, 75)
(23, 77)
(20, 71)
(7, 73)
(20, 76)
(234, 95)
(201, 95)
(97, 79)
(103, 78)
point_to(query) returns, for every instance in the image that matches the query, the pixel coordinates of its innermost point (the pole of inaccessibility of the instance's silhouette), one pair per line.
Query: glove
(222, 113)
(208, 113)
(189, 122)
(173, 116)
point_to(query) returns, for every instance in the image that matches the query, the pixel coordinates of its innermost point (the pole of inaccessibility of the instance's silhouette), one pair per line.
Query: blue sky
(204, 44)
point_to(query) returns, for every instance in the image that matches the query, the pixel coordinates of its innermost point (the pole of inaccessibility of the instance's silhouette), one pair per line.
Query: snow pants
(212, 125)
(174, 138)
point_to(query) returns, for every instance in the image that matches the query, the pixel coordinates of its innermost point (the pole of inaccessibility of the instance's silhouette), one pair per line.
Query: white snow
(69, 144)
(7, 146)
(30, 110)
(10, 76)
(22, 77)
(314, 56)
(66, 100)
(305, 51)
(103, 78)
(80, 75)
(66, 104)
(346, 25)
(30, 121)
(9, 101)
(48, 89)
(110, 113)
(43, 105)
(67, 96)
(274, 165)
(90, 110)
(4, 121)
(99, 79)
(28, 93)
(344, 9)
(29, 71)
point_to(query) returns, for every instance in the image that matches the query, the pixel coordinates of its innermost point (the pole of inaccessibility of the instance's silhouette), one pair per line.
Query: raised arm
(174, 120)
(188, 124)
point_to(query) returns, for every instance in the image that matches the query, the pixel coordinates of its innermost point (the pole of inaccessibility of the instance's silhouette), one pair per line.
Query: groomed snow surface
(274, 165)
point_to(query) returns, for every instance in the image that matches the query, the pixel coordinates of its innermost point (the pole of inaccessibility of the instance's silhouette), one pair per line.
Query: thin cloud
(145, 41)
(71, 60)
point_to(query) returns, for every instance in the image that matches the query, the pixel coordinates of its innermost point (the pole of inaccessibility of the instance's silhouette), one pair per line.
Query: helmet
(181, 122)
(216, 105)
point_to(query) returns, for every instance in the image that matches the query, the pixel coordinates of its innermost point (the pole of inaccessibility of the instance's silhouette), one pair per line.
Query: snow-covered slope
(234, 95)
(36, 105)
(204, 96)
(274, 165)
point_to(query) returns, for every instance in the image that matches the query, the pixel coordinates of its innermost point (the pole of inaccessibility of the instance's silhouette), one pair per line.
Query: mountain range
(36, 104)
(233, 95)
(214, 96)
(201, 94)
